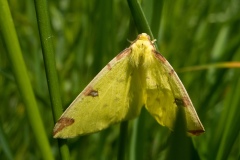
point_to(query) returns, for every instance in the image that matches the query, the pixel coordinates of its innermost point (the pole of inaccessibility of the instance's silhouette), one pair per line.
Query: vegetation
(53, 51)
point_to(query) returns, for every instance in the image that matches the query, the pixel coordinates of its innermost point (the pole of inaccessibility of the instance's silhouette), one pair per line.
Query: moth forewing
(108, 99)
(137, 76)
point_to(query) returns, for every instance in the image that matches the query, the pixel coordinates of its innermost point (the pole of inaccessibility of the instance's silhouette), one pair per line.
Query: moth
(138, 76)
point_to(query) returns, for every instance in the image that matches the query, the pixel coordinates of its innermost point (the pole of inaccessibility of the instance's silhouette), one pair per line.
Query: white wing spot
(90, 92)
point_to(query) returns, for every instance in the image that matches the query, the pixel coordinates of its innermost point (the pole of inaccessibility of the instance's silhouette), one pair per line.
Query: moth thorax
(141, 50)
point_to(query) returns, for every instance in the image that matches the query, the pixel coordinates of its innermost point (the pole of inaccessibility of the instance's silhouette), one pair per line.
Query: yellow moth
(138, 76)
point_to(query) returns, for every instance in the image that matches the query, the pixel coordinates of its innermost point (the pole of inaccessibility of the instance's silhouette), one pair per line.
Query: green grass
(82, 37)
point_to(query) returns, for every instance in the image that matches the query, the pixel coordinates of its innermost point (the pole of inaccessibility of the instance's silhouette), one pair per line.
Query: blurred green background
(87, 35)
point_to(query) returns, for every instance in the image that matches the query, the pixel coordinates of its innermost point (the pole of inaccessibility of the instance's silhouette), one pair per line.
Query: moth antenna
(153, 41)
(130, 41)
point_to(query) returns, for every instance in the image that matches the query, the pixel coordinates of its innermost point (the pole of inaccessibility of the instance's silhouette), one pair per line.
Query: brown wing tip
(196, 132)
(62, 123)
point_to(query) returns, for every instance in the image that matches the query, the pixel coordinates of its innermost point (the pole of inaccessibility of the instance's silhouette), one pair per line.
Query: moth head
(143, 36)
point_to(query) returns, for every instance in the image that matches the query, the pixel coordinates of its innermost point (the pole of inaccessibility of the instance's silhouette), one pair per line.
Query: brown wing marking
(89, 91)
(196, 132)
(123, 53)
(62, 123)
(184, 102)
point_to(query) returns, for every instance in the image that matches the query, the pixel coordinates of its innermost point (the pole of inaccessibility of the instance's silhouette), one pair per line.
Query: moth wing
(166, 93)
(106, 100)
